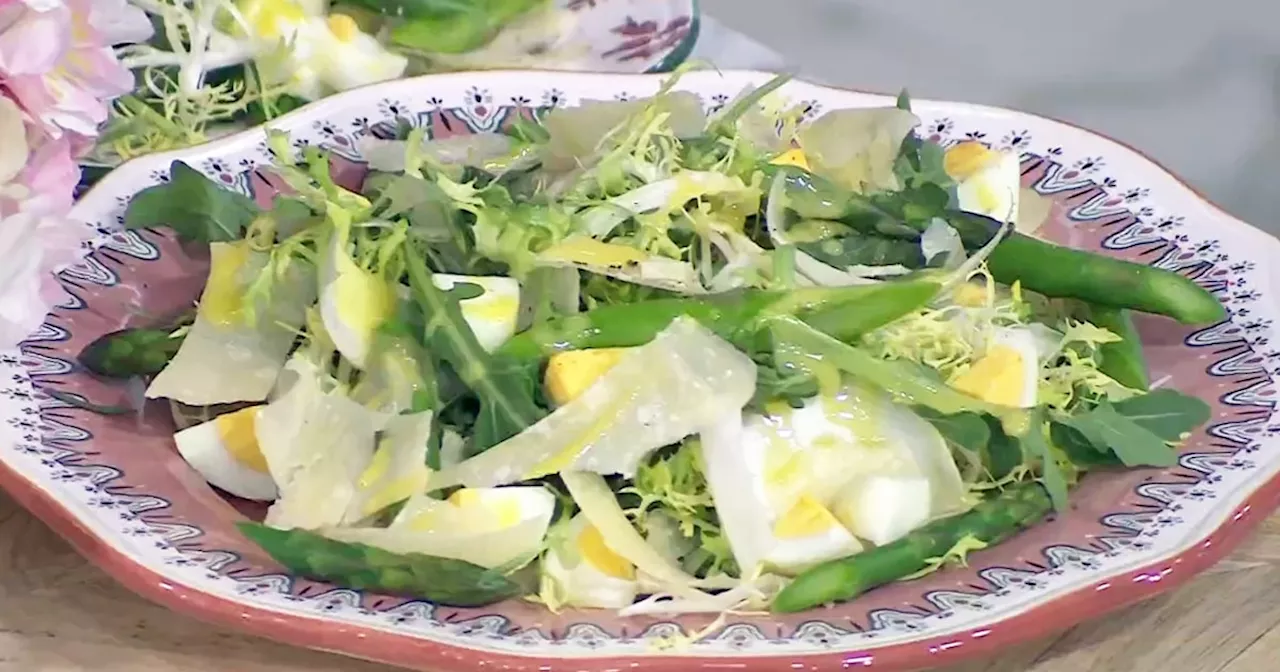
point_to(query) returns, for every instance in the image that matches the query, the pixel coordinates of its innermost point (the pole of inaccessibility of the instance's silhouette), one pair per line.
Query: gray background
(1193, 84)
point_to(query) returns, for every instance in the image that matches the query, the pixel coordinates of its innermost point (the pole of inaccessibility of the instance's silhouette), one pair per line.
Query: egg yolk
(238, 433)
(996, 377)
(965, 159)
(806, 519)
(593, 549)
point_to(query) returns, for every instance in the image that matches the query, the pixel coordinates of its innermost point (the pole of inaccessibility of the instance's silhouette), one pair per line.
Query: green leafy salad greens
(632, 356)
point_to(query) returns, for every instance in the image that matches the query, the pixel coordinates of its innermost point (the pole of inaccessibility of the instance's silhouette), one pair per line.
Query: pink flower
(56, 59)
(33, 165)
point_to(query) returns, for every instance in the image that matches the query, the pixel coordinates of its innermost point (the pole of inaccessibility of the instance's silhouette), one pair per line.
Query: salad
(217, 66)
(630, 356)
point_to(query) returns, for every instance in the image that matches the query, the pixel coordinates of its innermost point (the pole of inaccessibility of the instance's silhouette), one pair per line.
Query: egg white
(207, 448)
(490, 527)
(853, 457)
(317, 55)
(993, 190)
(493, 315)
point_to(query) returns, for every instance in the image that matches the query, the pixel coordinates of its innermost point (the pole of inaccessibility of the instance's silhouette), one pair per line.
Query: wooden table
(59, 613)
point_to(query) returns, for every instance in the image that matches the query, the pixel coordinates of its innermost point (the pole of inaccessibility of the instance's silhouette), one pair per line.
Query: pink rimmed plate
(116, 488)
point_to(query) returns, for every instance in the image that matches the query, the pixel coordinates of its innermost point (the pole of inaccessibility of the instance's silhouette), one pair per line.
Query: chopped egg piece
(807, 534)
(796, 487)
(988, 182)
(882, 508)
(1008, 371)
(582, 571)
(314, 54)
(570, 373)
(493, 314)
(225, 452)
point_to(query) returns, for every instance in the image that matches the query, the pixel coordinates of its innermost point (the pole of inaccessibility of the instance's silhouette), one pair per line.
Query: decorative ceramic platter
(632, 36)
(119, 491)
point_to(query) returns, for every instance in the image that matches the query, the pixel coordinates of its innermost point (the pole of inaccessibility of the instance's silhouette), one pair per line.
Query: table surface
(58, 613)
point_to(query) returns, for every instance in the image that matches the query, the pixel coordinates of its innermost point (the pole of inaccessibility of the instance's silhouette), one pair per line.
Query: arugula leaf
(1003, 453)
(966, 430)
(290, 215)
(858, 249)
(1036, 445)
(360, 567)
(1166, 413)
(978, 434)
(130, 352)
(193, 206)
(919, 161)
(506, 388)
(1110, 431)
(1081, 450)
(433, 218)
(1136, 432)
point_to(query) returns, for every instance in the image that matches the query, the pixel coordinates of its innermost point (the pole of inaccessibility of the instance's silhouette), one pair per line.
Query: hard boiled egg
(988, 182)
(807, 534)
(796, 487)
(313, 54)
(584, 572)
(493, 314)
(490, 527)
(225, 452)
(1008, 370)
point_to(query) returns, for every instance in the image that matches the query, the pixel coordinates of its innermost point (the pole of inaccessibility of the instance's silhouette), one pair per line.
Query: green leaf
(979, 434)
(857, 249)
(505, 387)
(360, 567)
(1003, 453)
(904, 100)
(1135, 445)
(192, 206)
(1035, 445)
(290, 215)
(1079, 449)
(1166, 413)
(130, 352)
(966, 430)
(433, 219)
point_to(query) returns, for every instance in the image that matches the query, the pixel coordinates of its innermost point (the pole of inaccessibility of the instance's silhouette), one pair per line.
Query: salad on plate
(214, 67)
(632, 356)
